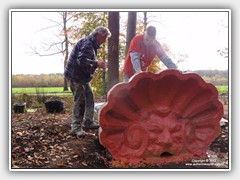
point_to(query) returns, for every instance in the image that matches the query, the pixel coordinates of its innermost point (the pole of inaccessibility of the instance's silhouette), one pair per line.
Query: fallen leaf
(84, 163)
(19, 133)
(75, 156)
(14, 166)
(30, 158)
(26, 149)
(60, 164)
(16, 148)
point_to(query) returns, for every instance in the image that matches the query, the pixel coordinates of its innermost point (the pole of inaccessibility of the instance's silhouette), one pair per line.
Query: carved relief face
(165, 136)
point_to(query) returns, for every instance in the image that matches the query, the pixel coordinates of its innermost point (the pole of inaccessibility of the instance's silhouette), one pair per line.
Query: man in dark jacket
(79, 71)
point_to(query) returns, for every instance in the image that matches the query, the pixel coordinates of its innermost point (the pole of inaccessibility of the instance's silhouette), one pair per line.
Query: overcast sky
(197, 34)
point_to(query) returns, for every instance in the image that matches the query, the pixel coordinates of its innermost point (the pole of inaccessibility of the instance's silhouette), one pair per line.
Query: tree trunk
(104, 70)
(145, 23)
(113, 50)
(131, 28)
(65, 88)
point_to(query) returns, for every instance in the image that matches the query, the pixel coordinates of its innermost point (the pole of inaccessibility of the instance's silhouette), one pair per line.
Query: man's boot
(88, 124)
(78, 132)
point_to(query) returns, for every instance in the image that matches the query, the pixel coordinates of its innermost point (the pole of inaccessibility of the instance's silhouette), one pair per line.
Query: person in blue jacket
(79, 71)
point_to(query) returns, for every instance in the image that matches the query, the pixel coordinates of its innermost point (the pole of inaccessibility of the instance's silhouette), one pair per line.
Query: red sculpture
(157, 118)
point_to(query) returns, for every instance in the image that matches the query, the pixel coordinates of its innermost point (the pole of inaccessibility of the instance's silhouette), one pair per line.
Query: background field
(34, 90)
(59, 90)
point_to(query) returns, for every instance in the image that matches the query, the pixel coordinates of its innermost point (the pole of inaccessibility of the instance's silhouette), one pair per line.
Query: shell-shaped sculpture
(157, 118)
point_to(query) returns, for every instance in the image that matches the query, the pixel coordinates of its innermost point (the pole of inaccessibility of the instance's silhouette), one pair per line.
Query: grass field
(33, 90)
(222, 89)
(59, 90)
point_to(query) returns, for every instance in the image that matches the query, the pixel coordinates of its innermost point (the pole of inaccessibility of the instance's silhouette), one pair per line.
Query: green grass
(34, 90)
(31, 110)
(59, 90)
(222, 89)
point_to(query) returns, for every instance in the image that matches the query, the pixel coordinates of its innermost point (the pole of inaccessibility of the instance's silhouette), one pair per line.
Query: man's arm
(164, 57)
(84, 59)
(168, 62)
(135, 59)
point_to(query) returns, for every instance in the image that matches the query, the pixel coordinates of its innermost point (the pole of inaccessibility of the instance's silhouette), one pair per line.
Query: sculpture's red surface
(165, 117)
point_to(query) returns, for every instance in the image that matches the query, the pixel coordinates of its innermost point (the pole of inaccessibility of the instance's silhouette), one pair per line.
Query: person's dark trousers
(83, 107)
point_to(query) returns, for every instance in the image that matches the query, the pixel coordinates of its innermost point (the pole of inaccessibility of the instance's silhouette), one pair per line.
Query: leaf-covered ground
(42, 141)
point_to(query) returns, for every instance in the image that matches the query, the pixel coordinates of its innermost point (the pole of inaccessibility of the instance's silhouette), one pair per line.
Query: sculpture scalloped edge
(158, 118)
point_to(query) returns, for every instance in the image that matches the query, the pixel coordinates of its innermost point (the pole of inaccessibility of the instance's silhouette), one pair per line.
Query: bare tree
(145, 20)
(64, 15)
(62, 46)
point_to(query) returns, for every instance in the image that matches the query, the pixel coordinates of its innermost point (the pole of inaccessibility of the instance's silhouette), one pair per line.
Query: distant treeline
(216, 77)
(42, 80)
